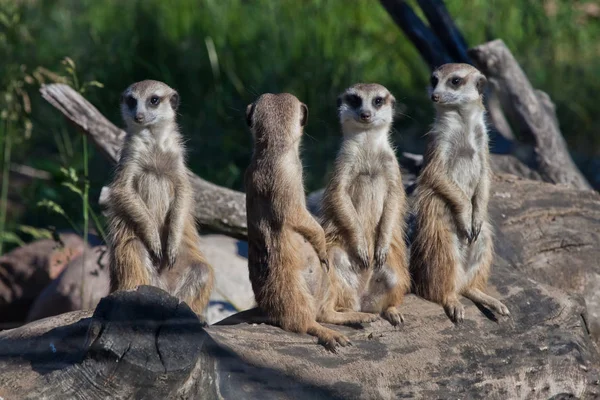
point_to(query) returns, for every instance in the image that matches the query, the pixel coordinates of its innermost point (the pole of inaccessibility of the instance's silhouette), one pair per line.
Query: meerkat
(152, 232)
(452, 250)
(287, 254)
(364, 207)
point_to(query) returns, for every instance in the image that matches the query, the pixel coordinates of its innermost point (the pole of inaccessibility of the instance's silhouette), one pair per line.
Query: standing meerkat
(364, 206)
(452, 250)
(152, 231)
(287, 254)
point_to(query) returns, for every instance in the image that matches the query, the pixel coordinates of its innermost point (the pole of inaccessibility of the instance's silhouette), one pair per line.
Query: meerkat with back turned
(364, 206)
(287, 255)
(152, 231)
(452, 250)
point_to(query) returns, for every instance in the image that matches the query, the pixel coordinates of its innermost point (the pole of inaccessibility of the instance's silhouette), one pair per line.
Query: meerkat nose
(139, 117)
(365, 115)
(435, 97)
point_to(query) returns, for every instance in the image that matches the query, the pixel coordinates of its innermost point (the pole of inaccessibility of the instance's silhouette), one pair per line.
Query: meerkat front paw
(155, 246)
(476, 227)
(362, 253)
(381, 254)
(172, 254)
(464, 226)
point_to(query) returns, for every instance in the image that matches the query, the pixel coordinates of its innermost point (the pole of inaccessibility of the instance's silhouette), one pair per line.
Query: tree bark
(217, 208)
(534, 114)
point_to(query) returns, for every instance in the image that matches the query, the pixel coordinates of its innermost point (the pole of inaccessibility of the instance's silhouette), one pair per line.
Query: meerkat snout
(453, 84)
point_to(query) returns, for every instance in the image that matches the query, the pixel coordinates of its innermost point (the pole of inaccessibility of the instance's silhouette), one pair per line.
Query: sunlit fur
(152, 231)
(286, 245)
(451, 204)
(363, 209)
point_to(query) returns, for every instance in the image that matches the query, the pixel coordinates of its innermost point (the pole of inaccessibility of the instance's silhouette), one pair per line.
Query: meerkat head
(276, 117)
(366, 106)
(148, 103)
(456, 85)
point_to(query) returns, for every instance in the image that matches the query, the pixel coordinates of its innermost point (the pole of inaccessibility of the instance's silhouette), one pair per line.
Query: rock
(80, 286)
(551, 233)
(27, 270)
(145, 344)
(233, 291)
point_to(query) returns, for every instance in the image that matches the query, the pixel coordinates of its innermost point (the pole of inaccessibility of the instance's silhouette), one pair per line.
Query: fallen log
(217, 208)
(145, 344)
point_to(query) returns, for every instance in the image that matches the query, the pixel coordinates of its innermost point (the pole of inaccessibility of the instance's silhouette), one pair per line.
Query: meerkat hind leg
(194, 286)
(477, 296)
(328, 337)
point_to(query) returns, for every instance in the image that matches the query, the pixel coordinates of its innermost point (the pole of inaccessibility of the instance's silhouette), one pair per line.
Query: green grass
(220, 55)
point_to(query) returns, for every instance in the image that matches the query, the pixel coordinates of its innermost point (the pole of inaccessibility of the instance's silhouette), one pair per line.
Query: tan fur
(452, 250)
(286, 245)
(152, 232)
(363, 210)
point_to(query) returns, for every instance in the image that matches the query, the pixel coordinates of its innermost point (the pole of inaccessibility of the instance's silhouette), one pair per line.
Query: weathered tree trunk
(217, 208)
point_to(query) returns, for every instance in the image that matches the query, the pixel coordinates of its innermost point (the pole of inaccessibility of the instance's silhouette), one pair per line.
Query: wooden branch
(217, 208)
(441, 22)
(426, 42)
(534, 112)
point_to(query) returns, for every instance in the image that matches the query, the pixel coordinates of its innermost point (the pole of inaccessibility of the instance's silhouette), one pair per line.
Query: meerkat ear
(339, 101)
(249, 113)
(174, 100)
(481, 82)
(304, 117)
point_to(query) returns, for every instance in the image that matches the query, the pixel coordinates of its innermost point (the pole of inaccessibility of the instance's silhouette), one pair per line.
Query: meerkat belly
(367, 193)
(466, 169)
(157, 193)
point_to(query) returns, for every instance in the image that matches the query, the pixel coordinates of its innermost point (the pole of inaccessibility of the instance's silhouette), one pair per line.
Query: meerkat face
(276, 117)
(148, 103)
(366, 106)
(456, 84)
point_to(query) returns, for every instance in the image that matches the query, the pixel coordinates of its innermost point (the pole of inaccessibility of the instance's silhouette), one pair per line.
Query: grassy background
(220, 55)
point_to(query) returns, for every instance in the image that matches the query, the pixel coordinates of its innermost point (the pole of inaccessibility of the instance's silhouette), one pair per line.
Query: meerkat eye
(353, 100)
(456, 81)
(378, 101)
(131, 102)
(154, 100)
(434, 81)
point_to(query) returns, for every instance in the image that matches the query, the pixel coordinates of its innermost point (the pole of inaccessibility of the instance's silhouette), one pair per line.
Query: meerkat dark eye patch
(456, 81)
(353, 100)
(131, 102)
(378, 102)
(434, 81)
(154, 100)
